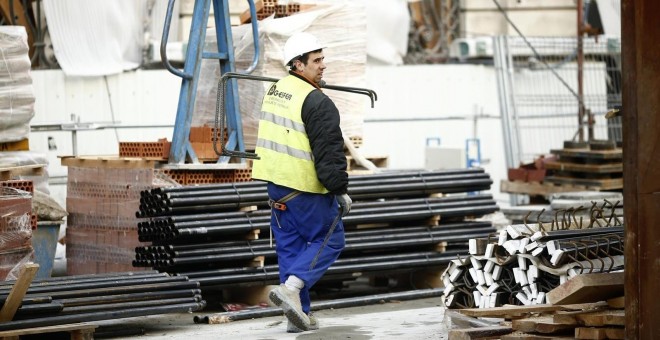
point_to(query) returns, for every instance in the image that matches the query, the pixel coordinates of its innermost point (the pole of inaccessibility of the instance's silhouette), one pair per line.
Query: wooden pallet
(9, 172)
(538, 188)
(589, 183)
(584, 168)
(589, 154)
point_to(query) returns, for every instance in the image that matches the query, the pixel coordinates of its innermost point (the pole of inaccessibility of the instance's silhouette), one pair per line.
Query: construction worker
(302, 158)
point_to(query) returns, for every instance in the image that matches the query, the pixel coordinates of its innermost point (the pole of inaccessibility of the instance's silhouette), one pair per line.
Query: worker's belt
(281, 203)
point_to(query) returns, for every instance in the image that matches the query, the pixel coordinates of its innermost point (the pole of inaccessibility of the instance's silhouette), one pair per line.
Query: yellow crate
(21, 145)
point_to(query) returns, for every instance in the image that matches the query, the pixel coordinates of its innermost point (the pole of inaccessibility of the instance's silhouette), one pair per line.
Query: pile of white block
(522, 263)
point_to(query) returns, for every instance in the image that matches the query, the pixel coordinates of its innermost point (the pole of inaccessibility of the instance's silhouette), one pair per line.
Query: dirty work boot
(290, 303)
(313, 325)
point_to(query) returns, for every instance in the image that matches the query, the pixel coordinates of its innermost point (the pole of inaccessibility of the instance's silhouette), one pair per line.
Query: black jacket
(321, 119)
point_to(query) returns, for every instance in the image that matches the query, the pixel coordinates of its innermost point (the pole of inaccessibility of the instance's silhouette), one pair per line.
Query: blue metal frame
(181, 149)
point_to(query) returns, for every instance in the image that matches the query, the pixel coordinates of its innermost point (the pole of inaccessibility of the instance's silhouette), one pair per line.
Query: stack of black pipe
(196, 231)
(84, 298)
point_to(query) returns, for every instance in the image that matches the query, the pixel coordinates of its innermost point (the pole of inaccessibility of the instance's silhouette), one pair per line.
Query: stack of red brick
(529, 172)
(101, 226)
(15, 229)
(201, 140)
(266, 8)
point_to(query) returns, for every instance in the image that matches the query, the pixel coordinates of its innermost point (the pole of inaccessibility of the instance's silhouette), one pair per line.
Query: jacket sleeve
(321, 119)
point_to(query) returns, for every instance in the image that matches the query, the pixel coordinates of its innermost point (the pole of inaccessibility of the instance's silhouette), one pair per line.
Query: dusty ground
(417, 319)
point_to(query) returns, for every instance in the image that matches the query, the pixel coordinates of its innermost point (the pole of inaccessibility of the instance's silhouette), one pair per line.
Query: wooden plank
(599, 333)
(592, 319)
(601, 184)
(590, 154)
(18, 290)
(521, 310)
(537, 188)
(526, 336)
(541, 324)
(587, 168)
(9, 172)
(587, 288)
(478, 333)
(107, 162)
(617, 302)
(75, 328)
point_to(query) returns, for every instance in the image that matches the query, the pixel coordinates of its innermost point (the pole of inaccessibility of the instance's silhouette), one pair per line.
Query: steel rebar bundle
(211, 198)
(367, 212)
(195, 231)
(524, 262)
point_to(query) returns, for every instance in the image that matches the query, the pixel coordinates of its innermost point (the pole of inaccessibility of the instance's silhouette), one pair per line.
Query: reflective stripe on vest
(282, 142)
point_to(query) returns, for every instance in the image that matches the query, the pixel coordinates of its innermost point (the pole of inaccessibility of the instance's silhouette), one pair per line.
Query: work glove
(345, 202)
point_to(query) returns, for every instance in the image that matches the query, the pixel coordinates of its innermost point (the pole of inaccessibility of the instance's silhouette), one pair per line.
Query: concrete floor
(416, 319)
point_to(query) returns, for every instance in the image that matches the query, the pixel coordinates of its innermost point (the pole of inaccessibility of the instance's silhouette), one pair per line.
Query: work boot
(290, 303)
(313, 325)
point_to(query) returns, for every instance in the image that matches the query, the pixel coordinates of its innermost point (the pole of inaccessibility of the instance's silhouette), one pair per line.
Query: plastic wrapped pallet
(16, 92)
(339, 25)
(15, 231)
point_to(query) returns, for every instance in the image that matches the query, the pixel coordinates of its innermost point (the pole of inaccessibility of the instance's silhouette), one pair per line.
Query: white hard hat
(299, 44)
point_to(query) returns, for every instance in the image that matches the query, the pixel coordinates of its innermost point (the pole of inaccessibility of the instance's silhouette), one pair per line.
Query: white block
(493, 300)
(473, 246)
(523, 243)
(552, 247)
(534, 289)
(531, 246)
(540, 298)
(477, 297)
(537, 235)
(532, 273)
(489, 266)
(492, 288)
(502, 238)
(448, 288)
(512, 246)
(475, 262)
(489, 279)
(563, 279)
(454, 276)
(497, 271)
(555, 256)
(537, 251)
(522, 298)
(482, 289)
(522, 263)
(490, 248)
(523, 278)
(473, 274)
(481, 279)
(516, 275)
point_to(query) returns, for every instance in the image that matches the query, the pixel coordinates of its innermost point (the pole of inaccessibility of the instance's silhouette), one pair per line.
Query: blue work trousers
(299, 233)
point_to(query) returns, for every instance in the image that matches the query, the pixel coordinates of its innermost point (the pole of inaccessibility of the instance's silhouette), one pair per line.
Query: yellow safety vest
(282, 142)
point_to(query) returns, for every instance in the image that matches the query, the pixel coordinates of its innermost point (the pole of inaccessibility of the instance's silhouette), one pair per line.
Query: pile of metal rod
(180, 257)
(228, 223)
(230, 196)
(84, 298)
(198, 232)
(522, 263)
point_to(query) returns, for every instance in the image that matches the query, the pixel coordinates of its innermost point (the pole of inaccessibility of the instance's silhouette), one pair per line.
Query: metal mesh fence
(538, 88)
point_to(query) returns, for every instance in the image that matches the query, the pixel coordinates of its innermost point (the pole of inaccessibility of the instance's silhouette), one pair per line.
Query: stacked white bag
(16, 92)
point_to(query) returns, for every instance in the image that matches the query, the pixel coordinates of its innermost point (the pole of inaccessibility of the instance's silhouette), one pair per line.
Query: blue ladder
(181, 149)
